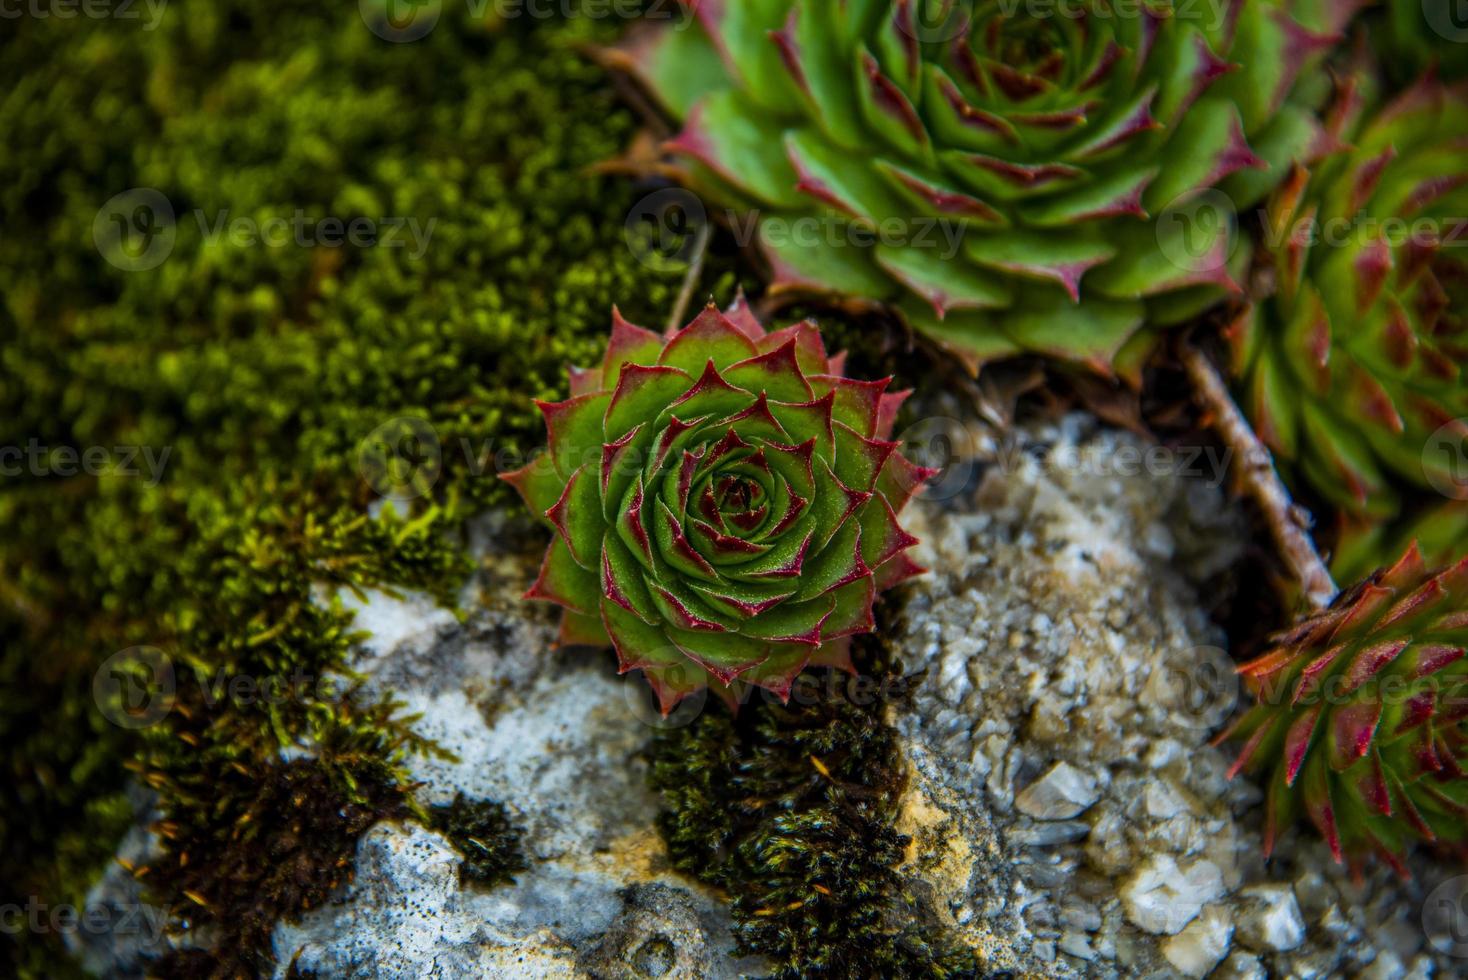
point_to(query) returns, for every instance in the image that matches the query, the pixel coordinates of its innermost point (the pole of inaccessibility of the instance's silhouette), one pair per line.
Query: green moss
(261, 370)
(484, 835)
(791, 809)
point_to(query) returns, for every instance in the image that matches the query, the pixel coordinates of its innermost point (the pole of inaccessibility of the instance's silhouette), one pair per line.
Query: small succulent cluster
(724, 504)
(1044, 142)
(1357, 358)
(1362, 720)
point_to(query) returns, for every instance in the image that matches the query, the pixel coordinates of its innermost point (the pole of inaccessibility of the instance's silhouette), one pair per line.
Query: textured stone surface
(556, 737)
(1062, 631)
(1202, 944)
(1162, 898)
(1060, 794)
(1270, 918)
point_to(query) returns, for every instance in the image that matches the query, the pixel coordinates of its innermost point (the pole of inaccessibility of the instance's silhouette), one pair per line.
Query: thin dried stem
(690, 280)
(1288, 523)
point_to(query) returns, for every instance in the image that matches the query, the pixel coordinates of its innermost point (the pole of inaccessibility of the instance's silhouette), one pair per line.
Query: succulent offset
(1044, 143)
(1362, 720)
(1356, 360)
(724, 504)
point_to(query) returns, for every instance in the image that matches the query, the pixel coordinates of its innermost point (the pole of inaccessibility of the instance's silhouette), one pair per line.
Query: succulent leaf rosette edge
(724, 504)
(1057, 143)
(1355, 355)
(1361, 720)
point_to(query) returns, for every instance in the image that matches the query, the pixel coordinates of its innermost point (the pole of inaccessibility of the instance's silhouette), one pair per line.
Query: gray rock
(118, 932)
(1269, 918)
(659, 934)
(1202, 945)
(1162, 897)
(1242, 966)
(1076, 944)
(1060, 794)
(555, 736)
(1072, 580)
(1386, 966)
(1046, 834)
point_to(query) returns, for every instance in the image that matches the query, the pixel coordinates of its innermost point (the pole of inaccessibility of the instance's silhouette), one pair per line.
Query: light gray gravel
(1073, 684)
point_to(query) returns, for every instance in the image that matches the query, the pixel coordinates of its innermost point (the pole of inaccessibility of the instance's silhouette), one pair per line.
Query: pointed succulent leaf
(1357, 722)
(1353, 365)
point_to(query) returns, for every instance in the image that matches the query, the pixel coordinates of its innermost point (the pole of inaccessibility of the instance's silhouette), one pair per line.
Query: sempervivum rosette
(1038, 140)
(724, 504)
(1362, 720)
(1354, 361)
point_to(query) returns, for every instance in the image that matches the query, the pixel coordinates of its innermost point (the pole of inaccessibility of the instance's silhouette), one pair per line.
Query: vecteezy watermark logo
(42, 460)
(934, 21)
(135, 229)
(1445, 917)
(680, 674)
(1123, 458)
(400, 21)
(1200, 686)
(401, 459)
(1212, 14)
(1445, 459)
(952, 448)
(134, 688)
(810, 231)
(1448, 18)
(91, 9)
(667, 229)
(807, 689)
(306, 231)
(93, 919)
(1197, 232)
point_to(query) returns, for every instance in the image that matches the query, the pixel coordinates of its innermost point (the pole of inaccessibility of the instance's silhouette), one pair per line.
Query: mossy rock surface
(260, 370)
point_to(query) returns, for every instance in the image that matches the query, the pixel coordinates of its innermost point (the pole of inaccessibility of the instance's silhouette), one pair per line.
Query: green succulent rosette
(1362, 716)
(1043, 142)
(1352, 365)
(724, 504)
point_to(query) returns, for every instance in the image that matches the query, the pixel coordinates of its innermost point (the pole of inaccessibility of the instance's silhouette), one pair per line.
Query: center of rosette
(740, 501)
(1027, 43)
(731, 494)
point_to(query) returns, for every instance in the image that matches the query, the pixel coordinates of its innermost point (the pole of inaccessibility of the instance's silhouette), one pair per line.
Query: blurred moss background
(260, 370)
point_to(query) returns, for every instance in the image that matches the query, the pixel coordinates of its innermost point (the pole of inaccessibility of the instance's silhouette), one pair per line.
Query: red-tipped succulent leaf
(1361, 723)
(724, 503)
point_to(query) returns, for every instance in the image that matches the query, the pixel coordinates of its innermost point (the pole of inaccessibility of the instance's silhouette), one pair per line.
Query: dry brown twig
(690, 280)
(1288, 523)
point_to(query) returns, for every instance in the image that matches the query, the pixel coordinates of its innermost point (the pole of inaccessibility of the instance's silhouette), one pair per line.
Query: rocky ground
(1065, 806)
(1067, 803)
